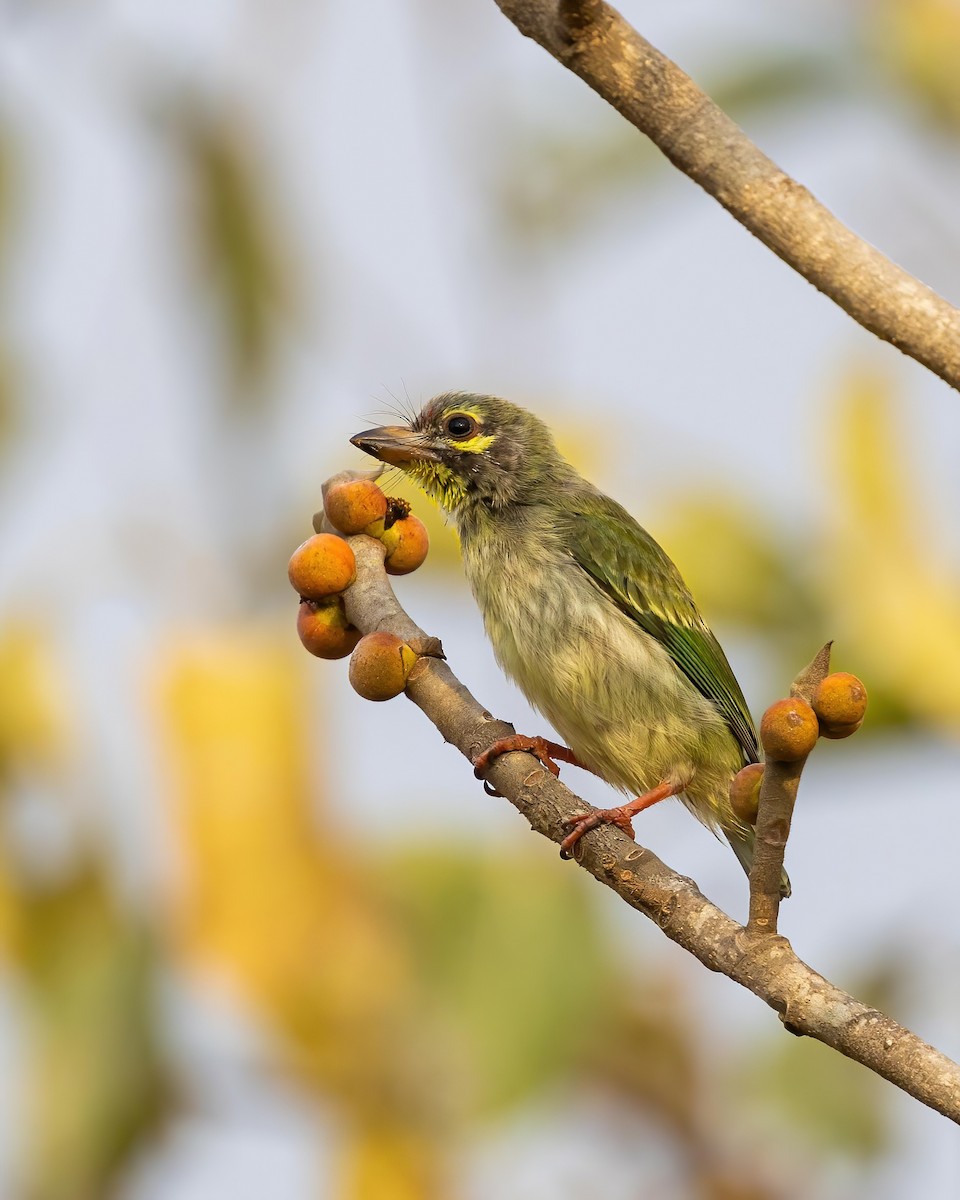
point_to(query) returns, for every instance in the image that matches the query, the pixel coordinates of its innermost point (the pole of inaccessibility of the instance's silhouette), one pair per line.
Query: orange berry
(835, 732)
(745, 792)
(356, 505)
(379, 666)
(323, 566)
(840, 699)
(406, 543)
(789, 730)
(324, 629)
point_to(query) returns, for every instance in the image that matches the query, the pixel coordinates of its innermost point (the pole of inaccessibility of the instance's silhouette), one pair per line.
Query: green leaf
(512, 962)
(827, 1101)
(242, 245)
(97, 1089)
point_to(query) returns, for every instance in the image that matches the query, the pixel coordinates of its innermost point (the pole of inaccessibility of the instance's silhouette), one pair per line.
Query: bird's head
(470, 451)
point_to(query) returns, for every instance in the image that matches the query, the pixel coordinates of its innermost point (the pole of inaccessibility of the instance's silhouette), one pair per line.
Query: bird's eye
(460, 426)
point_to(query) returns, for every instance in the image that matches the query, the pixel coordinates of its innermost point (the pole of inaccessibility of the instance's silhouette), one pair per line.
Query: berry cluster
(790, 728)
(324, 567)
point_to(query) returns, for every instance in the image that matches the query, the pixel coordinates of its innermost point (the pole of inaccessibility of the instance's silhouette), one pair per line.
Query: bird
(585, 612)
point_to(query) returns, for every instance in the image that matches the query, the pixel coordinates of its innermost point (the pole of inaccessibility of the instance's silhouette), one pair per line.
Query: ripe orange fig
(835, 732)
(745, 792)
(379, 666)
(324, 629)
(840, 699)
(356, 506)
(323, 566)
(789, 730)
(406, 543)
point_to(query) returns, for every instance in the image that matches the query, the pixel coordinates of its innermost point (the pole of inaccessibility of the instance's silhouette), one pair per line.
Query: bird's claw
(539, 747)
(584, 822)
(622, 816)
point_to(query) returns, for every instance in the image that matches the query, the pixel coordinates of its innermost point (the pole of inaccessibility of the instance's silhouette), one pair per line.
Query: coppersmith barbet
(585, 612)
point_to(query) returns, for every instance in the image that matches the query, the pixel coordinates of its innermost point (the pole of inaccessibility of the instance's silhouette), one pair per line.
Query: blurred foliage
(466, 909)
(239, 241)
(918, 42)
(831, 1105)
(654, 1061)
(32, 729)
(9, 411)
(270, 895)
(261, 890)
(384, 1160)
(739, 567)
(824, 1099)
(893, 601)
(97, 1085)
(376, 973)
(83, 963)
(551, 183)
(790, 1096)
(654, 1065)
(34, 720)
(867, 577)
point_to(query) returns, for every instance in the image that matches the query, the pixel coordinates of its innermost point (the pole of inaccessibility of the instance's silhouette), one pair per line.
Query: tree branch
(594, 41)
(763, 963)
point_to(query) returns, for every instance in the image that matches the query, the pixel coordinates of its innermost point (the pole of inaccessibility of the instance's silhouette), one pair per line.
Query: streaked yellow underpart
(442, 484)
(439, 482)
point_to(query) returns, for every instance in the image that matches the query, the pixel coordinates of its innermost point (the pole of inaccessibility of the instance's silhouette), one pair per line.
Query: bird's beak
(396, 445)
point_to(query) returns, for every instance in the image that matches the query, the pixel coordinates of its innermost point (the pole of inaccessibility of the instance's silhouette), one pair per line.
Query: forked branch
(762, 962)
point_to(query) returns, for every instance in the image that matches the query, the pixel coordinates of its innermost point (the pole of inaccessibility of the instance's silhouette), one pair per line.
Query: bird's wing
(627, 564)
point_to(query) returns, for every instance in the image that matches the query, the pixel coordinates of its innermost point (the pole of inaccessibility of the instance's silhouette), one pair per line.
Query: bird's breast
(609, 689)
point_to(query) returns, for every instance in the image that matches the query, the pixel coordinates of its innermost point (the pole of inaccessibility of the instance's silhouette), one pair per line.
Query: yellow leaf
(388, 1162)
(33, 719)
(265, 894)
(896, 600)
(920, 42)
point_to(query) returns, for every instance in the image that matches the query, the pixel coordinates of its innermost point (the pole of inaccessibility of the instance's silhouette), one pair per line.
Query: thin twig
(766, 965)
(778, 794)
(594, 41)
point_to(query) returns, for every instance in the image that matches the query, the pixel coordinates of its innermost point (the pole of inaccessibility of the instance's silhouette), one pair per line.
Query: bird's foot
(599, 816)
(544, 751)
(621, 816)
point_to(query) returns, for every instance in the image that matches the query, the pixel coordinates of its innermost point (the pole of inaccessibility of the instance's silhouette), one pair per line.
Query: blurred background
(261, 938)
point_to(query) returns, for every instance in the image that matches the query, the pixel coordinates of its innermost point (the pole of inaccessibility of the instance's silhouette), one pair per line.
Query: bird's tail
(742, 844)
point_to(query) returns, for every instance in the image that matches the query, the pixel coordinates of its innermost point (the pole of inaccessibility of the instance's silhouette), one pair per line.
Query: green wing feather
(627, 564)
